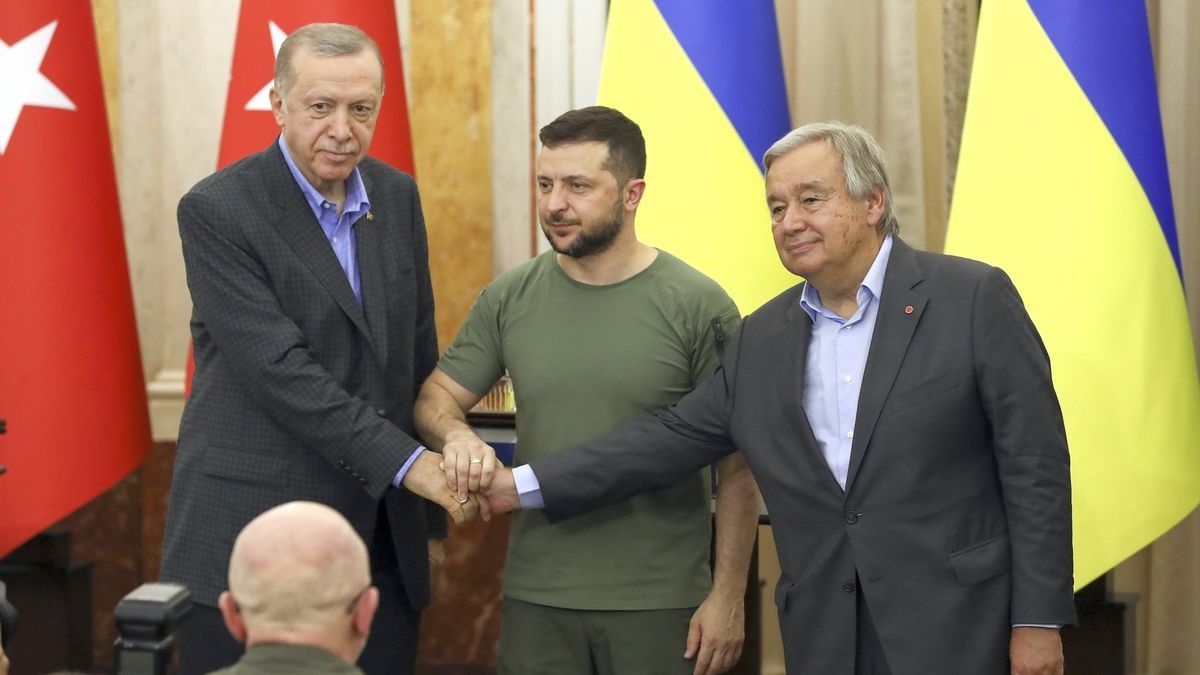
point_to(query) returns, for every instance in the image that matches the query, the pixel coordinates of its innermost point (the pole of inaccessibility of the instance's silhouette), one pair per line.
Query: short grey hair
(323, 39)
(863, 166)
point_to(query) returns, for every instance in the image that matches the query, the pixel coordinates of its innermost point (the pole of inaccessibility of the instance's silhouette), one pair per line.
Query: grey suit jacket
(956, 518)
(298, 393)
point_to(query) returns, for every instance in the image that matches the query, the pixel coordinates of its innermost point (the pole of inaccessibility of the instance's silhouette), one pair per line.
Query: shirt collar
(356, 190)
(872, 284)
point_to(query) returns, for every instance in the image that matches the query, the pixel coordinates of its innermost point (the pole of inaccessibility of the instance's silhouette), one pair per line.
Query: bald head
(296, 568)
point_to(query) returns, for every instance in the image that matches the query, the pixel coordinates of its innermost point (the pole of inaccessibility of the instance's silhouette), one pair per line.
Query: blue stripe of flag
(1106, 46)
(735, 48)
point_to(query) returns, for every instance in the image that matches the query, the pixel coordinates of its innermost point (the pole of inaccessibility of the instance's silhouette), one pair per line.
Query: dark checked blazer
(299, 393)
(956, 518)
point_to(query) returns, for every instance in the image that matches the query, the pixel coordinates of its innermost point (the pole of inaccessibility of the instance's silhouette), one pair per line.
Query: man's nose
(792, 220)
(339, 124)
(555, 200)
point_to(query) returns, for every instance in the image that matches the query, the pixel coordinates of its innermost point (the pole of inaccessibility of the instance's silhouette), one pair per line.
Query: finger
(704, 658)
(461, 467)
(475, 470)
(485, 507)
(693, 640)
(470, 509)
(454, 509)
(447, 467)
(488, 469)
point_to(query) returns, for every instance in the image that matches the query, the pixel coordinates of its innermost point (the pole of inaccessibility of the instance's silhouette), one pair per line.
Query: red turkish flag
(263, 24)
(71, 386)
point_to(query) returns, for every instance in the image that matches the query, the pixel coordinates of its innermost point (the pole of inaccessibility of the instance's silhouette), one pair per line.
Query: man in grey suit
(898, 414)
(313, 331)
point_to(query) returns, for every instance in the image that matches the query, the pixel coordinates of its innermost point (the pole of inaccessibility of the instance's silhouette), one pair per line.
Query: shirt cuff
(529, 491)
(1037, 625)
(398, 481)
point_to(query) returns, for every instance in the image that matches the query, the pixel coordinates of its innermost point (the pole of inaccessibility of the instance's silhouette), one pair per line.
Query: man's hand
(1035, 651)
(716, 633)
(500, 495)
(425, 478)
(468, 463)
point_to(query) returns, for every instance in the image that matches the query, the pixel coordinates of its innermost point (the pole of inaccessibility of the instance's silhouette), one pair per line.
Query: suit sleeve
(1030, 445)
(652, 452)
(232, 290)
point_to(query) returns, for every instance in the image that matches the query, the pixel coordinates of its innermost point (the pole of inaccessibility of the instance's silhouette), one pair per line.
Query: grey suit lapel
(799, 329)
(300, 229)
(369, 237)
(894, 327)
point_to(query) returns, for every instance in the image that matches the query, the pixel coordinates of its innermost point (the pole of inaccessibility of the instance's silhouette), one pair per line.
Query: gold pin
(370, 216)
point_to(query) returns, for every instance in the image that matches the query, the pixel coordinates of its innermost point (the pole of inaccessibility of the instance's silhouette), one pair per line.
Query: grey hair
(324, 39)
(863, 166)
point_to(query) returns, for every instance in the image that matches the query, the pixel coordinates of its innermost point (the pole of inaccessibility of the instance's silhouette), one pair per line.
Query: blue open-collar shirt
(339, 229)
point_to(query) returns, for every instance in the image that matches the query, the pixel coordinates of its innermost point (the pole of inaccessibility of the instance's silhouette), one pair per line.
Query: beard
(588, 243)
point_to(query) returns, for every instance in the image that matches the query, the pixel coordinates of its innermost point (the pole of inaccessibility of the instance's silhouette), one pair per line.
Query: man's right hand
(501, 495)
(468, 463)
(425, 478)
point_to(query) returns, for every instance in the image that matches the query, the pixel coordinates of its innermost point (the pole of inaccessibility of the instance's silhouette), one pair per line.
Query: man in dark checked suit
(313, 331)
(898, 414)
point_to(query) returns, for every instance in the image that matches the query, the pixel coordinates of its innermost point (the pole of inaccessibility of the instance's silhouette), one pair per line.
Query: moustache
(560, 219)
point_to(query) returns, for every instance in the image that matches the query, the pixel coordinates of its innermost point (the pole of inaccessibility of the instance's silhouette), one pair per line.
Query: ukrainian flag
(1062, 181)
(704, 80)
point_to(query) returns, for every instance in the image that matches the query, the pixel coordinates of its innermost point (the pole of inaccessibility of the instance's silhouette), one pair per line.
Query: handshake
(466, 479)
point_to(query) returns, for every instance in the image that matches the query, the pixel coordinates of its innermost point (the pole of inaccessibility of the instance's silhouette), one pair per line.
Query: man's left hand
(1035, 651)
(715, 634)
(425, 479)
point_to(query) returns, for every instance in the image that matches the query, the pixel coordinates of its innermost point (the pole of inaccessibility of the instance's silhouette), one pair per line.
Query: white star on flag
(262, 100)
(22, 83)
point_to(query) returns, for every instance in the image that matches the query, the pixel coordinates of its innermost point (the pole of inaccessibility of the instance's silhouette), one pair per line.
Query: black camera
(146, 620)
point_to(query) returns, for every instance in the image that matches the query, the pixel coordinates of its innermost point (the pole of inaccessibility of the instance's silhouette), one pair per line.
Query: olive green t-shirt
(585, 359)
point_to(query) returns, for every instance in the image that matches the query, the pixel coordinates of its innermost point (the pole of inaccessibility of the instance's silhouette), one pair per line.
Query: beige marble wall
(449, 73)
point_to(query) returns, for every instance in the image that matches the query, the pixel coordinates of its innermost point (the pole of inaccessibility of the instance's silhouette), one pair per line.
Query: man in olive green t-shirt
(599, 331)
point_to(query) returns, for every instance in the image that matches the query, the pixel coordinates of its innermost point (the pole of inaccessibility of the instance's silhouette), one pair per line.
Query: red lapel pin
(908, 310)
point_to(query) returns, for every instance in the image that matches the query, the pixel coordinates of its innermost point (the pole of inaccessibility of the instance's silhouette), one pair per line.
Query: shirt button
(848, 587)
(848, 379)
(850, 434)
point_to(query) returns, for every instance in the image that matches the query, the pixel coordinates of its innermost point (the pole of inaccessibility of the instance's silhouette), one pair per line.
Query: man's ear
(276, 106)
(364, 611)
(635, 188)
(875, 207)
(233, 617)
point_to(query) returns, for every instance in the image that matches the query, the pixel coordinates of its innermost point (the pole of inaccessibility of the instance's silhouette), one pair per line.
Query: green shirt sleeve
(475, 359)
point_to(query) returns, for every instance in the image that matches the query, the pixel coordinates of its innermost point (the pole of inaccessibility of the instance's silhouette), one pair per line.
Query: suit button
(381, 411)
(362, 480)
(851, 517)
(848, 587)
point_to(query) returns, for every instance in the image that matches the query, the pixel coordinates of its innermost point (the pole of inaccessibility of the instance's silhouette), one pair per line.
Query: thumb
(693, 639)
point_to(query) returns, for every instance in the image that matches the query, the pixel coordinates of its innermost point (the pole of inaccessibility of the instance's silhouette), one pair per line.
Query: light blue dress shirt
(837, 357)
(339, 229)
